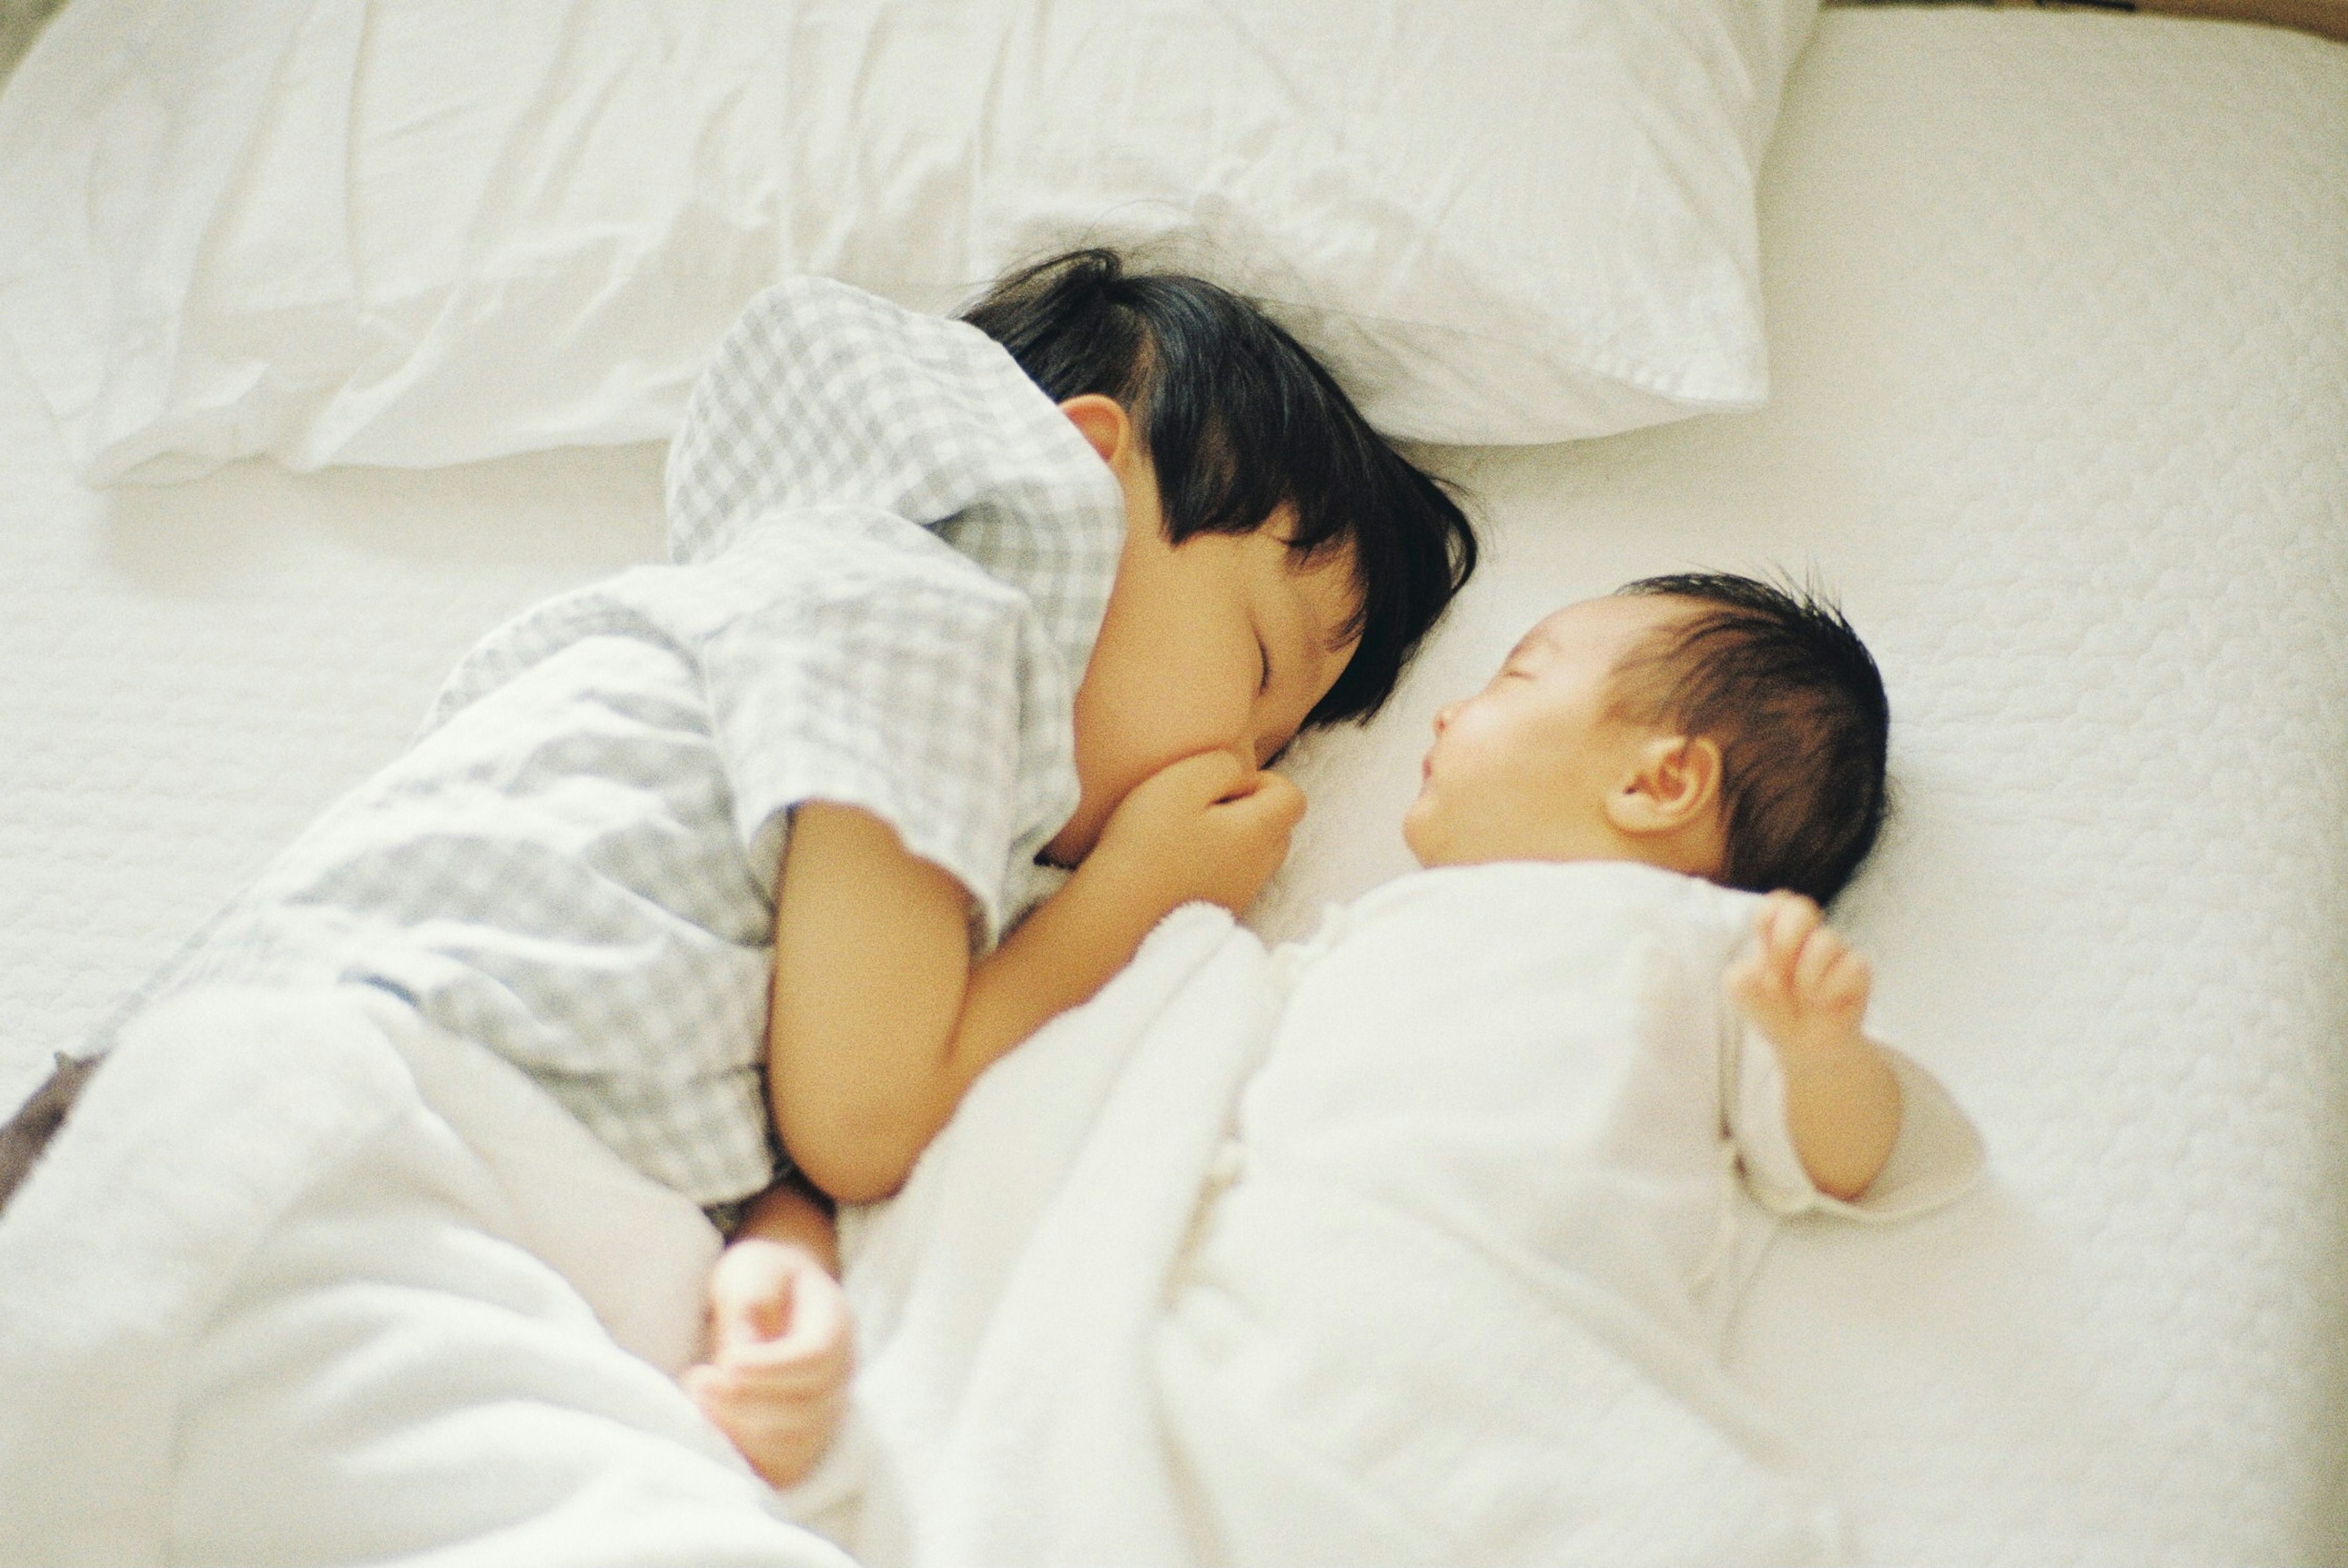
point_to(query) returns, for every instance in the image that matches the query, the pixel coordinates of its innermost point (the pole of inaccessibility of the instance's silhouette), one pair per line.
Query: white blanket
(1411, 1243)
(302, 1280)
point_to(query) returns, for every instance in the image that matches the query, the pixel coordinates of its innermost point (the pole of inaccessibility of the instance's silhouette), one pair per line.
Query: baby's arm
(880, 1021)
(1807, 990)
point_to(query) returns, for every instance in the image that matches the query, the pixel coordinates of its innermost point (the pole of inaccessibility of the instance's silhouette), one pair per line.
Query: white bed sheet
(194, 672)
(2059, 328)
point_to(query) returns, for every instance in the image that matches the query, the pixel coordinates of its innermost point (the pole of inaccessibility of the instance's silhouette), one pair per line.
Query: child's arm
(880, 1021)
(780, 1349)
(1807, 990)
(790, 1214)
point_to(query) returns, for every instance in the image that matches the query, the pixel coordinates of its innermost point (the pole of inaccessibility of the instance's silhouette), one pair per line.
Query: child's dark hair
(1781, 683)
(1240, 420)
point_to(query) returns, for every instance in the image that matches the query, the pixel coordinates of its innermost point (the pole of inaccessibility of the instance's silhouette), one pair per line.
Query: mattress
(2060, 382)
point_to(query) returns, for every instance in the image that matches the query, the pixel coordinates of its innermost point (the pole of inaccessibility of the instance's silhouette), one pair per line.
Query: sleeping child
(1452, 1279)
(976, 638)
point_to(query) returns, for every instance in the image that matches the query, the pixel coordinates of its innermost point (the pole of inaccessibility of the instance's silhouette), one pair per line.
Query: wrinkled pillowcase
(440, 231)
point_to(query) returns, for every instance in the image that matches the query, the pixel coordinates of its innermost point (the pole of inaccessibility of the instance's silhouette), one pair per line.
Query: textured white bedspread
(2059, 339)
(2059, 331)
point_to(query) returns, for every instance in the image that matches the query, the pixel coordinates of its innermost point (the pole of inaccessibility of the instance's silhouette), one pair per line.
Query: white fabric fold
(1398, 1245)
(266, 1300)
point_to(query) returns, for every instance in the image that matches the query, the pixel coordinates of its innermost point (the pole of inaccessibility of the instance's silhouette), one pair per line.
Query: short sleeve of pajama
(899, 689)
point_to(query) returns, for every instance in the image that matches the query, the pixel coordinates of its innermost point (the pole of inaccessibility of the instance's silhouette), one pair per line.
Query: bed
(2057, 346)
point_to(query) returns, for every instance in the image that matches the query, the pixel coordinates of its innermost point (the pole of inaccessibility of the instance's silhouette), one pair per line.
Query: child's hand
(1206, 828)
(777, 1379)
(1800, 983)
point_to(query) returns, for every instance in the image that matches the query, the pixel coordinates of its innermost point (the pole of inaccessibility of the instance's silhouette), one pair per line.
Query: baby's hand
(777, 1379)
(1800, 983)
(1206, 828)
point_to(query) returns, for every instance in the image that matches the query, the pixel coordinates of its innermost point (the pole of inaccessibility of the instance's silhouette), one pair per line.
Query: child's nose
(1443, 717)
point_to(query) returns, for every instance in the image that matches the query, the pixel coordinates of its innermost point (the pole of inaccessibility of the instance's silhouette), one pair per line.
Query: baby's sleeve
(1936, 1160)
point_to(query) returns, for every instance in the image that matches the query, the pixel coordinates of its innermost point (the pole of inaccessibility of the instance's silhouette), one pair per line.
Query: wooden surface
(2326, 18)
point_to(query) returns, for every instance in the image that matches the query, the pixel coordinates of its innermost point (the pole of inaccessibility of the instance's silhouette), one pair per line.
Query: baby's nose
(1443, 716)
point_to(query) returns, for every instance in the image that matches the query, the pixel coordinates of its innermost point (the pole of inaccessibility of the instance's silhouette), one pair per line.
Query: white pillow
(439, 230)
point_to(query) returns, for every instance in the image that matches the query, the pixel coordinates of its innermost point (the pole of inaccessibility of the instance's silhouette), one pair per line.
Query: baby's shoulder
(1552, 897)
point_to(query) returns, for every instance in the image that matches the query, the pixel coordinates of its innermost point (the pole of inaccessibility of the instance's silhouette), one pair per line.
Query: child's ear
(1673, 782)
(1101, 420)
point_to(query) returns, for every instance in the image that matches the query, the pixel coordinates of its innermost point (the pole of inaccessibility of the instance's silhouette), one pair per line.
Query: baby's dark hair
(1239, 421)
(1781, 683)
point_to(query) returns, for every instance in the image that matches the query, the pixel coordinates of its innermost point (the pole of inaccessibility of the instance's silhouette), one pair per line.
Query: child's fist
(1206, 827)
(1801, 982)
(776, 1377)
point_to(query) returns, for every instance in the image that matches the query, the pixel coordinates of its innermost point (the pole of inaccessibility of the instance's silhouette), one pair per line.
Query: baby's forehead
(1609, 617)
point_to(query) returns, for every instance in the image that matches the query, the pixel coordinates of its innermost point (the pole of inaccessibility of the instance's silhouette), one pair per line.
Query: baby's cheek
(1414, 829)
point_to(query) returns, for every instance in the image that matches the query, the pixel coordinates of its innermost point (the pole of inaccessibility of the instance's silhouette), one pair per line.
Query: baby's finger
(1795, 918)
(1768, 947)
(1760, 984)
(1760, 959)
(1770, 955)
(1820, 947)
(1847, 980)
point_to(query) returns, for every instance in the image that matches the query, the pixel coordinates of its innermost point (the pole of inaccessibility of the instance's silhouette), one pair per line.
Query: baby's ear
(1673, 782)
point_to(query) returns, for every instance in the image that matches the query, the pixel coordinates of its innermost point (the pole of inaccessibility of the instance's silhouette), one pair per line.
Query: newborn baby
(1714, 726)
(1466, 1272)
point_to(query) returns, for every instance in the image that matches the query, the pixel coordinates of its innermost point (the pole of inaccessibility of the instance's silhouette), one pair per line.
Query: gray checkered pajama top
(889, 557)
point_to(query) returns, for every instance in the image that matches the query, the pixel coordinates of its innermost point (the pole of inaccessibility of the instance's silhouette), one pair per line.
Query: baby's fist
(781, 1351)
(1801, 982)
